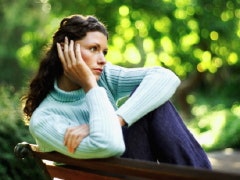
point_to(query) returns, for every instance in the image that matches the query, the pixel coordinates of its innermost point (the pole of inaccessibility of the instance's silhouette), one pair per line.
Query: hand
(74, 66)
(121, 120)
(74, 135)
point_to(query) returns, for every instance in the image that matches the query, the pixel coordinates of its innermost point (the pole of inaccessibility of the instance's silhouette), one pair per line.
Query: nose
(102, 59)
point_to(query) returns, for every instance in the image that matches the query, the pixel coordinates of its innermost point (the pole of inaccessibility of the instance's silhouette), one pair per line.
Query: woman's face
(93, 50)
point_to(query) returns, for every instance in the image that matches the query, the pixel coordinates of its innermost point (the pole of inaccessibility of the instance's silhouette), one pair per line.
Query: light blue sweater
(60, 110)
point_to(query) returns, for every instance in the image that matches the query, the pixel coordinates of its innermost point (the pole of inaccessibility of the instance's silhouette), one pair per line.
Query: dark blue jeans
(162, 136)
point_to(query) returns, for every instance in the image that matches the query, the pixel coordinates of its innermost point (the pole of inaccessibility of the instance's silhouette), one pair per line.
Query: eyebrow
(98, 45)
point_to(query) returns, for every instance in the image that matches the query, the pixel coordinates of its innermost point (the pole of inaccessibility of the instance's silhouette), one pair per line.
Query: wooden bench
(112, 168)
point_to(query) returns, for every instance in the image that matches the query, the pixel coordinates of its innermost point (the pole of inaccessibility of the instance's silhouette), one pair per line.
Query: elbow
(171, 79)
(170, 82)
(116, 149)
(113, 148)
(174, 78)
(177, 80)
(173, 83)
(167, 76)
(110, 147)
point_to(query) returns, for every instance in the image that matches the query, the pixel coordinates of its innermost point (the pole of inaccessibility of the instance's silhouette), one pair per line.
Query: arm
(75, 69)
(154, 90)
(155, 86)
(105, 135)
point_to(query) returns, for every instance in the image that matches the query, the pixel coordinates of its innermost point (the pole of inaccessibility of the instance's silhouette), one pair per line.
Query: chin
(97, 77)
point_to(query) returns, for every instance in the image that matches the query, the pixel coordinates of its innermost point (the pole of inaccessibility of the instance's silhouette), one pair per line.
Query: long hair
(74, 27)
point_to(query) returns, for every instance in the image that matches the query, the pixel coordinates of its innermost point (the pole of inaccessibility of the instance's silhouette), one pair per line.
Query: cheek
(86, 56)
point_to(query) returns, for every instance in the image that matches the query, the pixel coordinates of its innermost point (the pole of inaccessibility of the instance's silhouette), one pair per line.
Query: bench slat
(66, 173)
(122, 168)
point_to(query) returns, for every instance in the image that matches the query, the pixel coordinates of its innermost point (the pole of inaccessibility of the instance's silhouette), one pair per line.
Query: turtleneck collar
(65, 96)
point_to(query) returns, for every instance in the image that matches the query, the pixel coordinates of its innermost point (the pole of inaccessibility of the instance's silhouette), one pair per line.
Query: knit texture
(61, 109)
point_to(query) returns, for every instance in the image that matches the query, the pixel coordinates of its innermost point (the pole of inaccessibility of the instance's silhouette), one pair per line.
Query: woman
(72, 109)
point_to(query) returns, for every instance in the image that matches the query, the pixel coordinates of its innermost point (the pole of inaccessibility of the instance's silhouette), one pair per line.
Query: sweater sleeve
(105, 137)
(154, 87)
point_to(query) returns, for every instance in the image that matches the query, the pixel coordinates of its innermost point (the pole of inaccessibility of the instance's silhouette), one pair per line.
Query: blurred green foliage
(13, 131)
(184, 35)
(216, 128)
(197, 39)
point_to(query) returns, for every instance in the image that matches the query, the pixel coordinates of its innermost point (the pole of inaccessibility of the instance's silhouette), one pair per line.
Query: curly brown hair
(74, 27)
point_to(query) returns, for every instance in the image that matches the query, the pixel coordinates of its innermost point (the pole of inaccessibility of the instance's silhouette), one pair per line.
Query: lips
(98, 70)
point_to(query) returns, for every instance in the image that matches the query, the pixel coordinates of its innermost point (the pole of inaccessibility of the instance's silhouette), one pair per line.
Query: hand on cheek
(74, 66)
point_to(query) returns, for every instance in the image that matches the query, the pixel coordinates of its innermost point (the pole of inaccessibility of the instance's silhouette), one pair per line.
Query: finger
(77, 142)
(66, 137)
(69, 143)
(72, 53)
(76, 138)
(78, 53)
(80, 137)
(60, 54)
(72, 137)
(66, 51)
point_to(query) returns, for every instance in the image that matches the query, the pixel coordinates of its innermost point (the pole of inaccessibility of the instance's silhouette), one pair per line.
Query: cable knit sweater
(97, 108)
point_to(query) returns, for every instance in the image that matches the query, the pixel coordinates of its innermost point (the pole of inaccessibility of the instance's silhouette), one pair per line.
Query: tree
(197, 39)
(19, 20)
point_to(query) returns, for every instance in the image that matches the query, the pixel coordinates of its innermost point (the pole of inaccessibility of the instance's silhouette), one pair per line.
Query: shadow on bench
(56, 165)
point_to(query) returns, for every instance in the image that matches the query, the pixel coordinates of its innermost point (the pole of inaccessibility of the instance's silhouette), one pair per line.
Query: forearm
(153, 91)
(105, 136)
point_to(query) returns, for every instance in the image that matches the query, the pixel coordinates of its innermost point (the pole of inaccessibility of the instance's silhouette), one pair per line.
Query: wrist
(90, 86)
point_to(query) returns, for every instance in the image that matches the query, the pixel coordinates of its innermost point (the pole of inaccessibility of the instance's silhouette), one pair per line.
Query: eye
(93, 49)
(105, 52)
